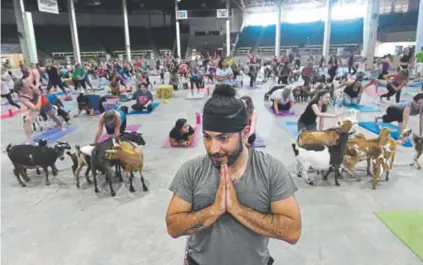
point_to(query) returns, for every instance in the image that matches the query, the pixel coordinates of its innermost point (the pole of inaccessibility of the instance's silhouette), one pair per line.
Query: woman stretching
(114, 121)
(283, 100)
(400, 113)
(182, 134)
(353, 91)
(252, 119)
(36, 103)
(5, 91)
(395, 85)
(332, 67)
(316, 108)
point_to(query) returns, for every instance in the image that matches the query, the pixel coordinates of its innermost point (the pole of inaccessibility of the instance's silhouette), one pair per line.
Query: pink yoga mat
(131, 128)
(372, 92)
(5, 115)
(197, 130)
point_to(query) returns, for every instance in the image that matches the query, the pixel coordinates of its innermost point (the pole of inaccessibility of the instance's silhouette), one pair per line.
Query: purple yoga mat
(197, 130)
(259, 142)
(131, 128)
(281, 113)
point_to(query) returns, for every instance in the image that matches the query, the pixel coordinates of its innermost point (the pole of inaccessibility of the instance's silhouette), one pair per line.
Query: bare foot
(63, 128)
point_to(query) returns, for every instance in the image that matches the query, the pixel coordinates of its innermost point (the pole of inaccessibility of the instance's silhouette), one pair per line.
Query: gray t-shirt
(413, 110)
(228, 242)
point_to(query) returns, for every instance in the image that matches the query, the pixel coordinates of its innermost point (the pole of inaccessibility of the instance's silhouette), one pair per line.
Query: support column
(178, 34)
(74, 32)
(228, 30)
(326, 36)
(26, 32)
(278, 29)
(419, 35)
(371, 23)
(125, 24)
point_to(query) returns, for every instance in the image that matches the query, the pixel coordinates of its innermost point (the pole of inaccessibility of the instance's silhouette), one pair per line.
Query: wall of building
(93, 20)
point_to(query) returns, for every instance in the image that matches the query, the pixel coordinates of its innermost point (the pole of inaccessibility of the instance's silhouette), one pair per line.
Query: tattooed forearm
(196, 229)
(270, 225)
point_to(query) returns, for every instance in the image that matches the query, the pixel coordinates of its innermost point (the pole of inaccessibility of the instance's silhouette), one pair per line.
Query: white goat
(351, 116)
(318, 159)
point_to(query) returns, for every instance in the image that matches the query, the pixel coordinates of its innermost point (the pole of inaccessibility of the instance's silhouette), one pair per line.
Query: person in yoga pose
(195, 78)
(332, 67)
(36, 102)
(5, 90)
(252, 119)
(78, 77)
(182, 134)
(400, 112)
(232, 199)
(224, 73)
(385, 63)
(395, 84)
(144, 99)
(353, 90)
(404, 60)
(283, 100)
(317, 107)
(54, 79)
(85, 103)
(114, 121)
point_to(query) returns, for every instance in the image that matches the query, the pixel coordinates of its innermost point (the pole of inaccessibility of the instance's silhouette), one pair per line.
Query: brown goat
(327, 137)
(131, 158)
(372, 150)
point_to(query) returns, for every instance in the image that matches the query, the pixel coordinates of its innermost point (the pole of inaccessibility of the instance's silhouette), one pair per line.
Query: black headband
(217, 123)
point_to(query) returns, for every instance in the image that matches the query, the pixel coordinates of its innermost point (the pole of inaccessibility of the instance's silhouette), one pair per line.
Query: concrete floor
(60, 224)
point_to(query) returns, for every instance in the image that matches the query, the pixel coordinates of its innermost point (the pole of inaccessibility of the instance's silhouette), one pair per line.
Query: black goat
(25, 157)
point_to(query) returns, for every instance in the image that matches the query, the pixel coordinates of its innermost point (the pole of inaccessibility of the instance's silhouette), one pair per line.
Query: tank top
(308, 117)
(405, 59)
(52, 73)
(398, 79)
(385, 66)
(413, 110)
(122, 118)
(349, 90)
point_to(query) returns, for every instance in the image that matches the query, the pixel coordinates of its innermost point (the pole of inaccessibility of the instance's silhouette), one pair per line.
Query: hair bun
(224, 91)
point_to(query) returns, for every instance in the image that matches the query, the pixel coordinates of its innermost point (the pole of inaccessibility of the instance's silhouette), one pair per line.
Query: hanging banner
(48, 6)
(222, 13)
(181, 14)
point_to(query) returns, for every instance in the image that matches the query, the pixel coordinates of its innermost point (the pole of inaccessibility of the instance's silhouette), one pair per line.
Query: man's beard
(231, 158)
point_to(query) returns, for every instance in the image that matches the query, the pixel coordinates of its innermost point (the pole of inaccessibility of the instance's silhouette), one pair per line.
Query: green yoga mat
(407, 226)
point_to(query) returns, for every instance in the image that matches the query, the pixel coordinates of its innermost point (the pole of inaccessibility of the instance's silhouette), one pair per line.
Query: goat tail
(8, 148)
(296, 151)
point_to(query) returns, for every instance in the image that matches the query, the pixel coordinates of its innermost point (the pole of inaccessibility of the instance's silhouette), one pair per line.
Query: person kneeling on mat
(273, 89)
(114, 121)
(182, 134)
(283, 100)
(395, 84)
(84, 103)
(353, 91)
(144, 99)
(400, 113)
(252, 119)
(55, 101)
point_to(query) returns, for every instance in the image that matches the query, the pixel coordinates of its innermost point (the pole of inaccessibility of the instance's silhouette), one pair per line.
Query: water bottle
(198, 118)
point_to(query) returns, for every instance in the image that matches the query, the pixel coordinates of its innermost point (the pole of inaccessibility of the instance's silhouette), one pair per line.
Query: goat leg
(336, 169)
(144, 187)
(45, 168)
(325, 177)
(368, 167)
(131, 177)
(38, 171)
(17, 174)
(118, 172)
(76, 175)
(109, 179)
(87, 177)
(24, 174)
(94, 172)
(416, 160)
(298, 168)
(54, 170)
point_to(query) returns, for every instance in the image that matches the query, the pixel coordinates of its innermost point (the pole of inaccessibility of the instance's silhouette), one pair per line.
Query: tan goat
(327, 137)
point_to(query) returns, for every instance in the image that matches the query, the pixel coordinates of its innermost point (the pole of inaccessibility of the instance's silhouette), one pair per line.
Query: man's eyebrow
(221, 134)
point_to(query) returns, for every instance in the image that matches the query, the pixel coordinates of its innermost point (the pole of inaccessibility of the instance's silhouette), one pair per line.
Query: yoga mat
(134, 112)
(363, 108)
(281, 113)
(372, 92)
(197, 130)
(196, 95)
(15, 111)
(407, 225)
(406, 93)
(54, 134)
(371, 126)
(416, 84)
(290, 127)
(130, 128)
(69, 107)
(60, 93)
(259, 142)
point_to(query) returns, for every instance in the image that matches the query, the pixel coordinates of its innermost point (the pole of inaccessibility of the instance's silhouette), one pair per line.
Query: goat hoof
(54, 173)
(145, 189)
(96, 190)
(337, 184)
(47, 183)
(113, 194)
(299, 175)
(309, 182)
(77, 185)
(23, 185)
(131, 189)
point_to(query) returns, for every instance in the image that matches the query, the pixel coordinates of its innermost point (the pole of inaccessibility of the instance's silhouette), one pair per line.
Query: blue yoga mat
(134, 112)
(371, 126)
(60, 93)
(363, 108)
(53, 135)
(290, 127)
(416, 84)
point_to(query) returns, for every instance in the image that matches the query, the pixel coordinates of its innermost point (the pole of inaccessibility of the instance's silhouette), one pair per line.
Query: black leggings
(138, 107)
(10, 100)
(55, 84)
(391, 92)
(283, 79)
(78, 83)
(332, 73)
(196, 82)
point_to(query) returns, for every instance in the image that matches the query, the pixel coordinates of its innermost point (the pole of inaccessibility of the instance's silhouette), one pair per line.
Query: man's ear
(245, 132)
